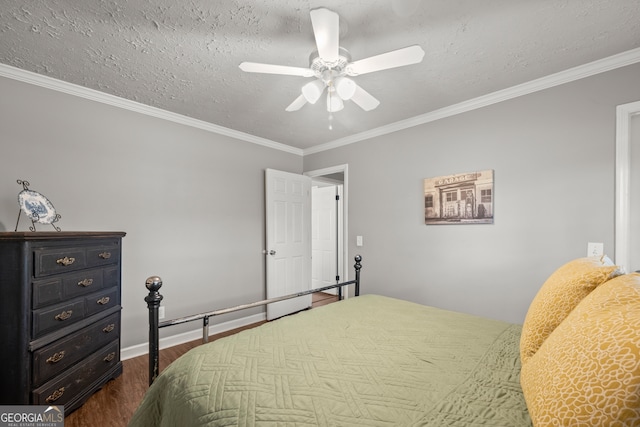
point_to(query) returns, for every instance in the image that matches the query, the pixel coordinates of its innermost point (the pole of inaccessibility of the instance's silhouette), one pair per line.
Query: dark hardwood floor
(116, 402)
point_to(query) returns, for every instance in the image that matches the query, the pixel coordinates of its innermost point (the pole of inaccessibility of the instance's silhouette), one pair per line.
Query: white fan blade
(364, 99)
(297, 104)
(395, 58)
(327, 32)
(254, 67)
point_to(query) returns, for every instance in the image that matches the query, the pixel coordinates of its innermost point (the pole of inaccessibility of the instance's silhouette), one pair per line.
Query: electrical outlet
(595, 249)
(161, 312)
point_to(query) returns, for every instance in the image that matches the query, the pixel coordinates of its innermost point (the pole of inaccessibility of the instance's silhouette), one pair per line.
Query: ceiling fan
(332, 67)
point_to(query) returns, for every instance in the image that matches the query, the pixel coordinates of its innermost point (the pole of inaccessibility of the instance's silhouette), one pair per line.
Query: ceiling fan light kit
(312, 91)
(345, 87)
(330, 65)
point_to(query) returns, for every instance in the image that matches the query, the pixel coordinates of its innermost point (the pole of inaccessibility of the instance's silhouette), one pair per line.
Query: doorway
(627, 248)
(329, 226)
(326, 233)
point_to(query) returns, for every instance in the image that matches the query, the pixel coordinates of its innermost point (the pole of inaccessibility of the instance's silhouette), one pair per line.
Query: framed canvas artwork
(464, 198)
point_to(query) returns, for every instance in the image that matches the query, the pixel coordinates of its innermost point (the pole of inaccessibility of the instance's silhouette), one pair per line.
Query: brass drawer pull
(65, 261)
(64, 315)
(109, 328)
(55, 395)
(110, 357)
(103, 300)
(56, 357)
(86, 282)
(105, 255)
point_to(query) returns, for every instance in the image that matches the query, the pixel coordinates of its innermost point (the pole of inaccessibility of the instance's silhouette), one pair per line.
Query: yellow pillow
(559, 294)
(587, 372)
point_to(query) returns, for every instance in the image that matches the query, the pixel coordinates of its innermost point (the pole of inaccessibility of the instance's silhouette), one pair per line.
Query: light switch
(358, 240)
(595, 249)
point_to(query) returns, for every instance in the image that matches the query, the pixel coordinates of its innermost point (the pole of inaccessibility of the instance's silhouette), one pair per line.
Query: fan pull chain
(329, 94)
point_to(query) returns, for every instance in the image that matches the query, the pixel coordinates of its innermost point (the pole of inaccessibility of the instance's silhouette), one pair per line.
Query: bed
(372, 360)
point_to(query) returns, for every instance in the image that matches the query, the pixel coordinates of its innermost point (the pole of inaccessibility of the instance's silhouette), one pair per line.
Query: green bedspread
(365, 361)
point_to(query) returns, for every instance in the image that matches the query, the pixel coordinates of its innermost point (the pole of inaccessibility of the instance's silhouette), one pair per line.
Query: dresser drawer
(67, 386)
(49, 261)
(111, 276)
(54, 358)
(59, 260)
(103, 255)
(82, 283)
(46, 292)
(55, 289)
(101, 301)
(52, 318)
(56, 317)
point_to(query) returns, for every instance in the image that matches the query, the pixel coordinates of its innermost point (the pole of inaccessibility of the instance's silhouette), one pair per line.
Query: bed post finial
(357, 266)
(153, 284)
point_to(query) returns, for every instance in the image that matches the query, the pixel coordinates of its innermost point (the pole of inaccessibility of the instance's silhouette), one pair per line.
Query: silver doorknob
(271, 252)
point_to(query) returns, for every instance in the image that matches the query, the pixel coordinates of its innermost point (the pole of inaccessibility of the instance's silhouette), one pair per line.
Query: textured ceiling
(183, 56)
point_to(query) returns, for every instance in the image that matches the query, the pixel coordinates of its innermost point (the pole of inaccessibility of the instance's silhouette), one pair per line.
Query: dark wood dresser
(59, 316)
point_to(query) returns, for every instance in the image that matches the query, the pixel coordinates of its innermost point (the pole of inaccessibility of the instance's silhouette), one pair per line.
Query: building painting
(465, 198)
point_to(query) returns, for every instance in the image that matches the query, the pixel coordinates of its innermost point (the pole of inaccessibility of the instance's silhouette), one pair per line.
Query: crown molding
(104, 98)
(596, 67)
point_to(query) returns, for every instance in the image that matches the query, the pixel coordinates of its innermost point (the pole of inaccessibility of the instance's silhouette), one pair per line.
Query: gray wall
(553, 157)
(191, 202)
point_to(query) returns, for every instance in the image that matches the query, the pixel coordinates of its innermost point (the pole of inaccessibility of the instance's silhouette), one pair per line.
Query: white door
(634, 191)
(324, 236)
(288, 239)
(627, 142)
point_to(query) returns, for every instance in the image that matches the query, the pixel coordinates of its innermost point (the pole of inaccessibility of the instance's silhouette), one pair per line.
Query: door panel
(324, 241)
(634, 191)
(288, 239)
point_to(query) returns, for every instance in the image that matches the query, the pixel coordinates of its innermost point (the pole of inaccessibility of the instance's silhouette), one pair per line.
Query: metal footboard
(154, 283)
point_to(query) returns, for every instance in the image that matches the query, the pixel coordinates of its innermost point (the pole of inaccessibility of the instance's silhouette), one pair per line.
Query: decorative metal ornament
(37, 207)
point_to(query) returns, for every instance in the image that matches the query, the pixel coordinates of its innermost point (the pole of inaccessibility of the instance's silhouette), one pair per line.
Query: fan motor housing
(328, 70)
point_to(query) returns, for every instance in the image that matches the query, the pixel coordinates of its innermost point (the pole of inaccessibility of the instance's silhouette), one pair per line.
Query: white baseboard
(173, 340)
